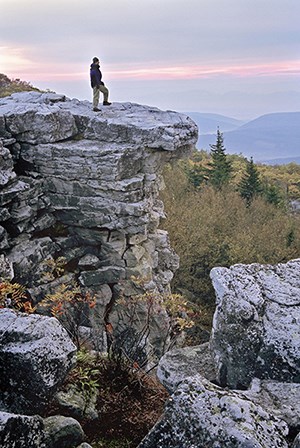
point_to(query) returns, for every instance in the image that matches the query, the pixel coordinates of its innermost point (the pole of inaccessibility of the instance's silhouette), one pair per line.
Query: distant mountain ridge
(273, 138)
(208, 122)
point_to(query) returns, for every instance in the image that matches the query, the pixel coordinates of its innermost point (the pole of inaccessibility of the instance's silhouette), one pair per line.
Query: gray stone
(84, 445)
(3, 238)
(76, 404)
(282, 399)
(108, 274)
(4, 214)
(89, 261)
(21, 431)
(40, 123)
(93, 338)
(11, 190)
(62, 432)
(256, 330)
(36, 354)
(7, 173)
(200, 414)
(44, 222)
(178, 364)
(26, 255)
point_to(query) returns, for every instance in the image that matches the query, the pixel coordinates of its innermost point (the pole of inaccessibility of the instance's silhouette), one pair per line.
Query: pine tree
(250, 185)
(273, 195)
(220, 171)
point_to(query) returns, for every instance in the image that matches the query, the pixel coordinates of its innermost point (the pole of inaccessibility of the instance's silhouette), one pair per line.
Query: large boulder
(36, 354)
(256, 331)
(21, 431)
(200, 414)
(62, 432)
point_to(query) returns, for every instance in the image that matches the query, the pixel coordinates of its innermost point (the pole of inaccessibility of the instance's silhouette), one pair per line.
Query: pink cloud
(202, 71)
(16, 65)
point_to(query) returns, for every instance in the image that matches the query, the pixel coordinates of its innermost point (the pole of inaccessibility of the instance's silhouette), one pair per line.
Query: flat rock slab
(40, 118)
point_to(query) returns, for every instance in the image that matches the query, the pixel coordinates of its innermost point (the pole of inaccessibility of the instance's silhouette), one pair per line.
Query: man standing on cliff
(98, 85)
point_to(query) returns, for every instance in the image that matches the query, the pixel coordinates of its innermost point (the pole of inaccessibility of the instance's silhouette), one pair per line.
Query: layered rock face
(85, 186)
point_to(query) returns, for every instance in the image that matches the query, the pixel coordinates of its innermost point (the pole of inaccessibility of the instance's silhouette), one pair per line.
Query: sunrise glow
(18, 63)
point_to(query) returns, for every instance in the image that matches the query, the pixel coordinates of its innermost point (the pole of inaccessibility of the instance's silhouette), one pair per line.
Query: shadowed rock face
(85, 185)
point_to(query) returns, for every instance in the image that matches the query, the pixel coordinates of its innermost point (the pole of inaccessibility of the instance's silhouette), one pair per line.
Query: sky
(239, 58)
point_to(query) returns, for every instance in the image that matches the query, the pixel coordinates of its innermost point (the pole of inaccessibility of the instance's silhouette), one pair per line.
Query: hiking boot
(106, 103)
(96, 109)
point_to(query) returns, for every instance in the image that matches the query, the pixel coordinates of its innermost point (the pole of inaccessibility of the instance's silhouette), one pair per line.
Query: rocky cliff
(84, 186)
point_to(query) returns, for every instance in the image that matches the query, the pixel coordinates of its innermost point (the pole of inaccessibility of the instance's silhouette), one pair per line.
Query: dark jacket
(96, 75)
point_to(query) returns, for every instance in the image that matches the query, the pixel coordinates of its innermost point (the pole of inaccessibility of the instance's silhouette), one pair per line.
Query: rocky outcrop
(36, 354)
(84, 186)
(256, 330)
(255, 343)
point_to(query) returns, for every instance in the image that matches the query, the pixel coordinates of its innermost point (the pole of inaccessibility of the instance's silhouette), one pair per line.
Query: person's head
(95, 60)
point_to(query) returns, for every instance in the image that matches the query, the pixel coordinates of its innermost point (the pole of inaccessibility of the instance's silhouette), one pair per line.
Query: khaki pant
(96, 94)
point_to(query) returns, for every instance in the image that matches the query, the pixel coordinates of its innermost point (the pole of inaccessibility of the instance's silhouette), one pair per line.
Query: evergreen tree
(273, 195)
(250, 185)
(220, 171)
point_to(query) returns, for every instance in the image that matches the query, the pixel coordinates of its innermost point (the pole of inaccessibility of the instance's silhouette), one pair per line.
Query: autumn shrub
(70, 305)
(15, 296)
